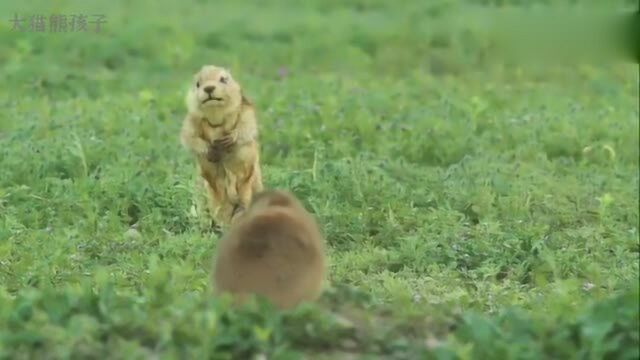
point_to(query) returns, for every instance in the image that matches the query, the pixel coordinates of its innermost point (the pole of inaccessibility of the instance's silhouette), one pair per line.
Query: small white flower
(587, 286)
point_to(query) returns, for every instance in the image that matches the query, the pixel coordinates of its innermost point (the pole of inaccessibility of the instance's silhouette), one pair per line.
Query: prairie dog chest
(211, 132)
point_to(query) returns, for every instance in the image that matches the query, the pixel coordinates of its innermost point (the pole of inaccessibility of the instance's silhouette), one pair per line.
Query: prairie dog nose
(209, 89)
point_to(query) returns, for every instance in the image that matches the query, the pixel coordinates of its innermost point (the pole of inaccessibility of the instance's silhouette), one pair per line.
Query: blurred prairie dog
(274, 249)
(220, 129)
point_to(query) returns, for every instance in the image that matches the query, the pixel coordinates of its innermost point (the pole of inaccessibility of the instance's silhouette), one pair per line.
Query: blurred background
(157, 44)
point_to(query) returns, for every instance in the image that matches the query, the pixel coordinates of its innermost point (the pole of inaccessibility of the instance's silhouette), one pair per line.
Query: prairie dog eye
(223, 79)
(197, 84)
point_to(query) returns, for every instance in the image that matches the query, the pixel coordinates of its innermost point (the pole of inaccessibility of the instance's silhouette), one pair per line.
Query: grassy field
(473, 207)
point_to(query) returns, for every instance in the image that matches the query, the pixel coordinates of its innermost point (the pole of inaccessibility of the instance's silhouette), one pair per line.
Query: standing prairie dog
(274, 249)
(220, 129)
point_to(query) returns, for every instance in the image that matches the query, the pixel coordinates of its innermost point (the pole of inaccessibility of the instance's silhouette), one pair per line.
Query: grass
(473, 207)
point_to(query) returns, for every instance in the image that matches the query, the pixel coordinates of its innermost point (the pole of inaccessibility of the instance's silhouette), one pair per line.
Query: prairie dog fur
(220, 129)
(274, 249)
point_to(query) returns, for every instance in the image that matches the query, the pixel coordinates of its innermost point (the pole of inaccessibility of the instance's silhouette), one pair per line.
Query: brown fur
(275, 250)
(222, 134)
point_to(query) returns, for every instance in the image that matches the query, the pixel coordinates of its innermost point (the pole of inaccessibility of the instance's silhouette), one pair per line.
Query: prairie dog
(220, 129)
(274, 249)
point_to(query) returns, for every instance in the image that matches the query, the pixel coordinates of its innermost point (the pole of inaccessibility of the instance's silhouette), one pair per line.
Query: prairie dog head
(276, 197)
(275, 250)
(213, 89)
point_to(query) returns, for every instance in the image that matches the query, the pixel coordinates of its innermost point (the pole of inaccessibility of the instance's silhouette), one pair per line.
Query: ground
(473, 206)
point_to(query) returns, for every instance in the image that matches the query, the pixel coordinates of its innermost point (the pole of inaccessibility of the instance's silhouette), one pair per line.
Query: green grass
(473, 207)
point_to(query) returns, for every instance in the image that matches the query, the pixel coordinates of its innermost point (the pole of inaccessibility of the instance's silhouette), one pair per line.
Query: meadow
(473, 207)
